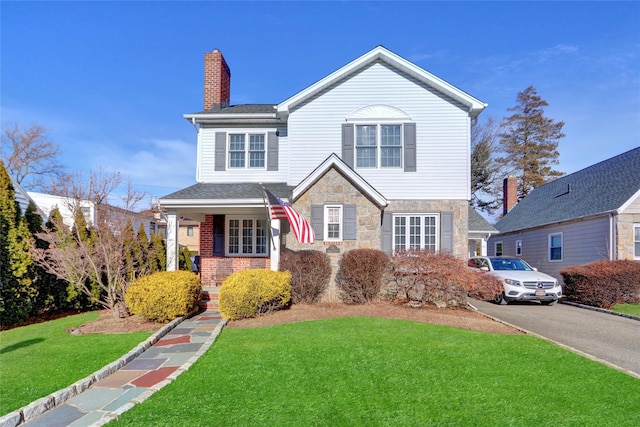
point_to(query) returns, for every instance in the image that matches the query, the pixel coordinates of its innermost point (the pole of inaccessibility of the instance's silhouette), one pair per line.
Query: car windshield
(510, 264)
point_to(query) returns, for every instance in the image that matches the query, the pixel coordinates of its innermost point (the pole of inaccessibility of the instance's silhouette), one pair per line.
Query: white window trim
(378, 125)
(227, 236)
(326, 223)
(519, 247)
(635, 227)
(422, 241)
(561, 247)
(495, 248)
(247, 160)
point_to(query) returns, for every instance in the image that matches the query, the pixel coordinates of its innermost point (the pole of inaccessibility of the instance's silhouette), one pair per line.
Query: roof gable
(335, 162)
(602, 188)
(382, 54)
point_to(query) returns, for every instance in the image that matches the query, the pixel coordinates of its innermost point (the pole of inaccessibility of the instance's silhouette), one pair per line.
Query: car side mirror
(534, 269)
(484, 268)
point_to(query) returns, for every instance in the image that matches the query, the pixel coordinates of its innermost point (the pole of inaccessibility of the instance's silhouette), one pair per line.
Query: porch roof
(217, 194)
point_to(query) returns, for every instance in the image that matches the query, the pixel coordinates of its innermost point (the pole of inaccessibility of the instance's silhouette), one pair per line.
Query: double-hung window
(333, 223)
(247, 236)
(247, 150)
(636, 241)
(378, 146)
(555, 247)
(498, 248)
(415, 232)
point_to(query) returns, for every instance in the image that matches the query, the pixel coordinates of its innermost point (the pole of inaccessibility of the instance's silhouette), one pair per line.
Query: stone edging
(600, 310)
(40, 406)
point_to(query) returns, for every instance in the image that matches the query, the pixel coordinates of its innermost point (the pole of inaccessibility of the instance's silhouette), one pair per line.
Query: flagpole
(264, 200)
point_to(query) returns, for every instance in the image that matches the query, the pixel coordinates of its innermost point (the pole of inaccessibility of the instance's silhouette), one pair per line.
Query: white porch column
(172, 241)
(483, 247)
(275, 252)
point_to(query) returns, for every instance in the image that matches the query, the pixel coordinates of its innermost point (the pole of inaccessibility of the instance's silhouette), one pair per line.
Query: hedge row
(603, 283)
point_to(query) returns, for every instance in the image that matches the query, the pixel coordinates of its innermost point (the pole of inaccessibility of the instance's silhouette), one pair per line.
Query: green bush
(164, 296)
(603, 283)
(310, 273)
(252, 292)
(360, 273)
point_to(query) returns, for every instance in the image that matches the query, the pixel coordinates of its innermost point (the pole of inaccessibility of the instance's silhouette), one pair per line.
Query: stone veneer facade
(625, 247)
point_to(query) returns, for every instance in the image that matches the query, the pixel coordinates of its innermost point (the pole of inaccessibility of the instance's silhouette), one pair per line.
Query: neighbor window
(518, 247)
(636, 240)
(378, 146)
(333, 223)
(498, 248)
(555, 247)
(247, 236)
(246, 150)
(415, 232)
(189, 231)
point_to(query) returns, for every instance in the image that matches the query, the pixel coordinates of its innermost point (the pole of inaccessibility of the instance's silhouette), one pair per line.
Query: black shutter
(350, 229)
(347, 144)
(410, 147)
(272, 151)
(221, 151)
(387, 232)
(446, 232)
(218, 235)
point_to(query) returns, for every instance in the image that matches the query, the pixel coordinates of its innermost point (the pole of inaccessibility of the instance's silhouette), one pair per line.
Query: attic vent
(565, 193)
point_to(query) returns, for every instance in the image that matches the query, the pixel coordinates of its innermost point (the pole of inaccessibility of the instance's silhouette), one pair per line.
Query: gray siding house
(586, 216)
(378, 152)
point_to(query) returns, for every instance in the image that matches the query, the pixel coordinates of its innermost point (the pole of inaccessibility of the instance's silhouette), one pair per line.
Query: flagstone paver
(146, 372)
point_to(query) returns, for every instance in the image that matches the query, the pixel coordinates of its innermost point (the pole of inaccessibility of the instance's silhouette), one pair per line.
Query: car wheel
(499, 299)
(552, 302)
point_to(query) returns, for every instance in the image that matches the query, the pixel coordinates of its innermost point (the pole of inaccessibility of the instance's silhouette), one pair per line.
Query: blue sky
(111, 80)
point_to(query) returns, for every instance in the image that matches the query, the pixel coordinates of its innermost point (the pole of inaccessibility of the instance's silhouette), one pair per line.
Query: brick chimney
(509, 193)
(217, 80)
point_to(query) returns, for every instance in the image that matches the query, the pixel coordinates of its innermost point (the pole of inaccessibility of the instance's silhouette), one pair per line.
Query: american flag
(281, 210)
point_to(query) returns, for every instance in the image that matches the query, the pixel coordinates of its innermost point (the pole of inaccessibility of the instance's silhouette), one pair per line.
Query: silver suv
(521, 281)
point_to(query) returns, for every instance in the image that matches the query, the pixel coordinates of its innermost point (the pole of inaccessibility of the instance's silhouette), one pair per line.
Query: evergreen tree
(158, 253)
(530, 142)
(16, 273)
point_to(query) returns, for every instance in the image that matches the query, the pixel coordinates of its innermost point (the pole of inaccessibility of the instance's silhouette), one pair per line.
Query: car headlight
(512, 282)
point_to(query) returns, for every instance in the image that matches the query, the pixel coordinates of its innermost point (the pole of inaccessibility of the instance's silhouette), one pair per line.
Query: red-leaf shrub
(360, 273)
(310, 273)
(438, 278)
(603, 283)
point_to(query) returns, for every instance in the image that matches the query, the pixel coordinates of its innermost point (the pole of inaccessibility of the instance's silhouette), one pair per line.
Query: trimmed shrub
(360, 274)
(310, 274)
(421, 277)
(252, 292)
(603, 283)
(164, 296)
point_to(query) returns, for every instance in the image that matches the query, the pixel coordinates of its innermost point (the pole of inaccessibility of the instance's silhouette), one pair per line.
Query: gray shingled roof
(477, 223)
(240, 190)
(242, 109)
(601, 188)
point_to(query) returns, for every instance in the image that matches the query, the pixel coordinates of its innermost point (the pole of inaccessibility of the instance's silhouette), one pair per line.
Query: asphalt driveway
(610, 339)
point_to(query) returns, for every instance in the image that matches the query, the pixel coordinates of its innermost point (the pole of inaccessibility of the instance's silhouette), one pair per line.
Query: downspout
(612, 236)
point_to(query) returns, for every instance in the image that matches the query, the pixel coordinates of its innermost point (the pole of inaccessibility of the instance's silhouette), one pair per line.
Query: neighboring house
(479, 233)
(374, 155)
(188, 233)
(589, 215)
(92, 212)
(22, 197)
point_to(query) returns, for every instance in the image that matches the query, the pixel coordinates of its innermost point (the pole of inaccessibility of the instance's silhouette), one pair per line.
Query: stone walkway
(116, 392)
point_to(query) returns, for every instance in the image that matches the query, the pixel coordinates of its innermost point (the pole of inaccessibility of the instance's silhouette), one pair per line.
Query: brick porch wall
(213, 270)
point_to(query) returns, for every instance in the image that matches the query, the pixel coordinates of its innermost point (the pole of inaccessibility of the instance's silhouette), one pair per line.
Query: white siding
(442, 134)
(206, 159)
(582, 241)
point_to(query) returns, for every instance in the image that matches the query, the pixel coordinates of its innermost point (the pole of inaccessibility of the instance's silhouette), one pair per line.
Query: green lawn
(632, 309)
(380, 372)
(39, 359)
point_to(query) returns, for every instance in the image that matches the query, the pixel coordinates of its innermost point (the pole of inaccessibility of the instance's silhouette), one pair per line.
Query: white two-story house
(374, 155)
